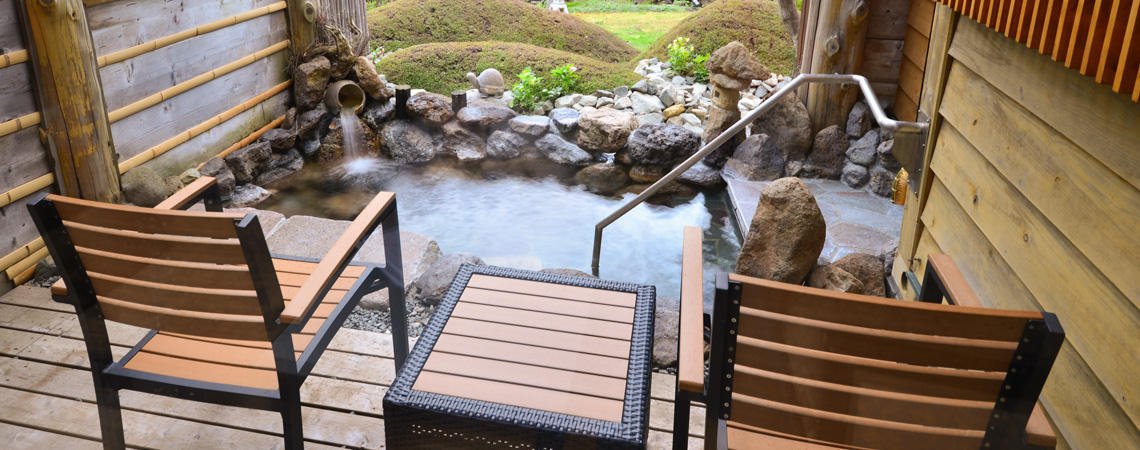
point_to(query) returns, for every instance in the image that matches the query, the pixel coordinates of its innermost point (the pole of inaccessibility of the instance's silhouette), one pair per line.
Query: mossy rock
(406, 23)
(442, 68)
(755, 23)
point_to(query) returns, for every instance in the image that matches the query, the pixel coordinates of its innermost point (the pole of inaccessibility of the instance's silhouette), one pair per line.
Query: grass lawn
(640, 29)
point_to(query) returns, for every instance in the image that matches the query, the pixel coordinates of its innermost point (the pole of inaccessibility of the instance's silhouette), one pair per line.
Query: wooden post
(838, 48)
(403, 93)
(75, 114)
(302, 24)
(458, 100)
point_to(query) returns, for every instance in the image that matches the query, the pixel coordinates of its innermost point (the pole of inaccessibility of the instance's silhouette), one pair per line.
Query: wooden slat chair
(794, 367)
(232, 324)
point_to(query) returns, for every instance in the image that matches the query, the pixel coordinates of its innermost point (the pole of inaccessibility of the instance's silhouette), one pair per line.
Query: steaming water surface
(523, 222)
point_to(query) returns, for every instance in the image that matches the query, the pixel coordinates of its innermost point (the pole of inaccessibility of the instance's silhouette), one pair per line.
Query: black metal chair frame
(1037, 350)
(110, 376)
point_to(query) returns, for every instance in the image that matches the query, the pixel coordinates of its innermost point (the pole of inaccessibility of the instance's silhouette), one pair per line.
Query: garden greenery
(685, 63)
(531, 92)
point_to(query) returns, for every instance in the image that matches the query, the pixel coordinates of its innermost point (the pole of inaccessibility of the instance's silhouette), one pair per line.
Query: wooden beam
(839, 43)
(302, 24)
(73, 107)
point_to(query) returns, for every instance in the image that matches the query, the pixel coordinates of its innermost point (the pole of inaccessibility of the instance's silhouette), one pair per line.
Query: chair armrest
(340, 254)
(204, 188)
(958, 292)
(690, 349)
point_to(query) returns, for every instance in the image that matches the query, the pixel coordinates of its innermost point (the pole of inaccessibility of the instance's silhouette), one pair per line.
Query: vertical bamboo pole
(840, 34)
(302, 24)
(75, 114)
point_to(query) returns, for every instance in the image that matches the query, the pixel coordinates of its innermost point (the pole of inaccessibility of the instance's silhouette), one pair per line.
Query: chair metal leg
(293, 432)
(110, 417)
(681, 404)
(394, 272)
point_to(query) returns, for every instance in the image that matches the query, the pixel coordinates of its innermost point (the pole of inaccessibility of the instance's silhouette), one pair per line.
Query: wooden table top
(550, 347)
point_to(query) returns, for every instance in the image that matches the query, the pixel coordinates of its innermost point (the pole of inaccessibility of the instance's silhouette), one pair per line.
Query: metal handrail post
(864, 86)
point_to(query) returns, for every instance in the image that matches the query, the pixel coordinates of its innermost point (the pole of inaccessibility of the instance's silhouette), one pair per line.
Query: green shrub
(442, 68)
(405, 23)
(755, 23)
(563, 80)
(528, 92)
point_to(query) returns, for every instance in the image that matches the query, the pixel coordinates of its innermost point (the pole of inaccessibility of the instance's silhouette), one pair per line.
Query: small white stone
(690, 119)
(588, 100)
(623, 103)
(677, 81)
(772, 80)
(701, 113)
(586, 109)
(567, 100)
(748, 104)
(699, 89)
(605, 101)
(415, 92)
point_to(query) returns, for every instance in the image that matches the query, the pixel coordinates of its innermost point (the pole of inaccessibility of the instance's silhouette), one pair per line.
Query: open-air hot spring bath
(527, 215)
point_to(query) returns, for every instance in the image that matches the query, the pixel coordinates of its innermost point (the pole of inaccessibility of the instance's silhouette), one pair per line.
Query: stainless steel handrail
(864, 86)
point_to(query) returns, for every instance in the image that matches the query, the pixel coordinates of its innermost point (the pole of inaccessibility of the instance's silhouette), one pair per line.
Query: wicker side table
(522, 359)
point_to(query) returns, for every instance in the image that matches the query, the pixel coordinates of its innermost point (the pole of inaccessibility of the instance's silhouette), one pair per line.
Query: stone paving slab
(858, 221)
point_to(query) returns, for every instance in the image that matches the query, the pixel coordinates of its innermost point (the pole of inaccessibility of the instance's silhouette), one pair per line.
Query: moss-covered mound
(441, 68)
(404, 23)
(755, 23)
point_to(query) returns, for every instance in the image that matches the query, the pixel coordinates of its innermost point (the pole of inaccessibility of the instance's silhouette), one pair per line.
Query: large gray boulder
(789, 127)
(562, 152)
(786, 235)
(376, 113)
(313, 124)
(418, 252)
(868, 269)
(406, 142)
(834, 278)
(829, 154)
(702, 175)
(719, 121)
(666, 327)
(860, 120)
(309, 82)
(530, 125)
(431, 109)
(505, 144)
(280, 165)
(882, 181)
(757, 158)
(224, 178)
(247, 161)
(279, 139)
(662, 145)
(886, 151)
(430, 287)
(142, 186)
(370, 81)
(855, 175)
(605, 130)
(485, 115)
(248, 195)
(863, 150)
(564, 120)
(602, 178)
(465, 144)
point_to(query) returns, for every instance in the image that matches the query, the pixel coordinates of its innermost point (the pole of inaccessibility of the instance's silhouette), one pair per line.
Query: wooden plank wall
(24, 157)
(1097, 37)
(882, 51)
(912, 65)
(184, 85)
(182, 81)
(1035, 192)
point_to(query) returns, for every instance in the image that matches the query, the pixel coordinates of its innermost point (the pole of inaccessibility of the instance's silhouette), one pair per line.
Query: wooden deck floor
(47, 398)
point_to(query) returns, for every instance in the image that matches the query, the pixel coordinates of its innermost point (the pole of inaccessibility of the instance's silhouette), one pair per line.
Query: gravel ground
(381, 321)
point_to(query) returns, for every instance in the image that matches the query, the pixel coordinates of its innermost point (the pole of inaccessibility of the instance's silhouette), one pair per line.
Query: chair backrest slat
(191, 274)
(158, 246)
(908, 348)
(128, 218)
(224, 326)
(870, 403)
(849, 429)
(884, 314)
(174, 271)
(867, 373)
(219, 301)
